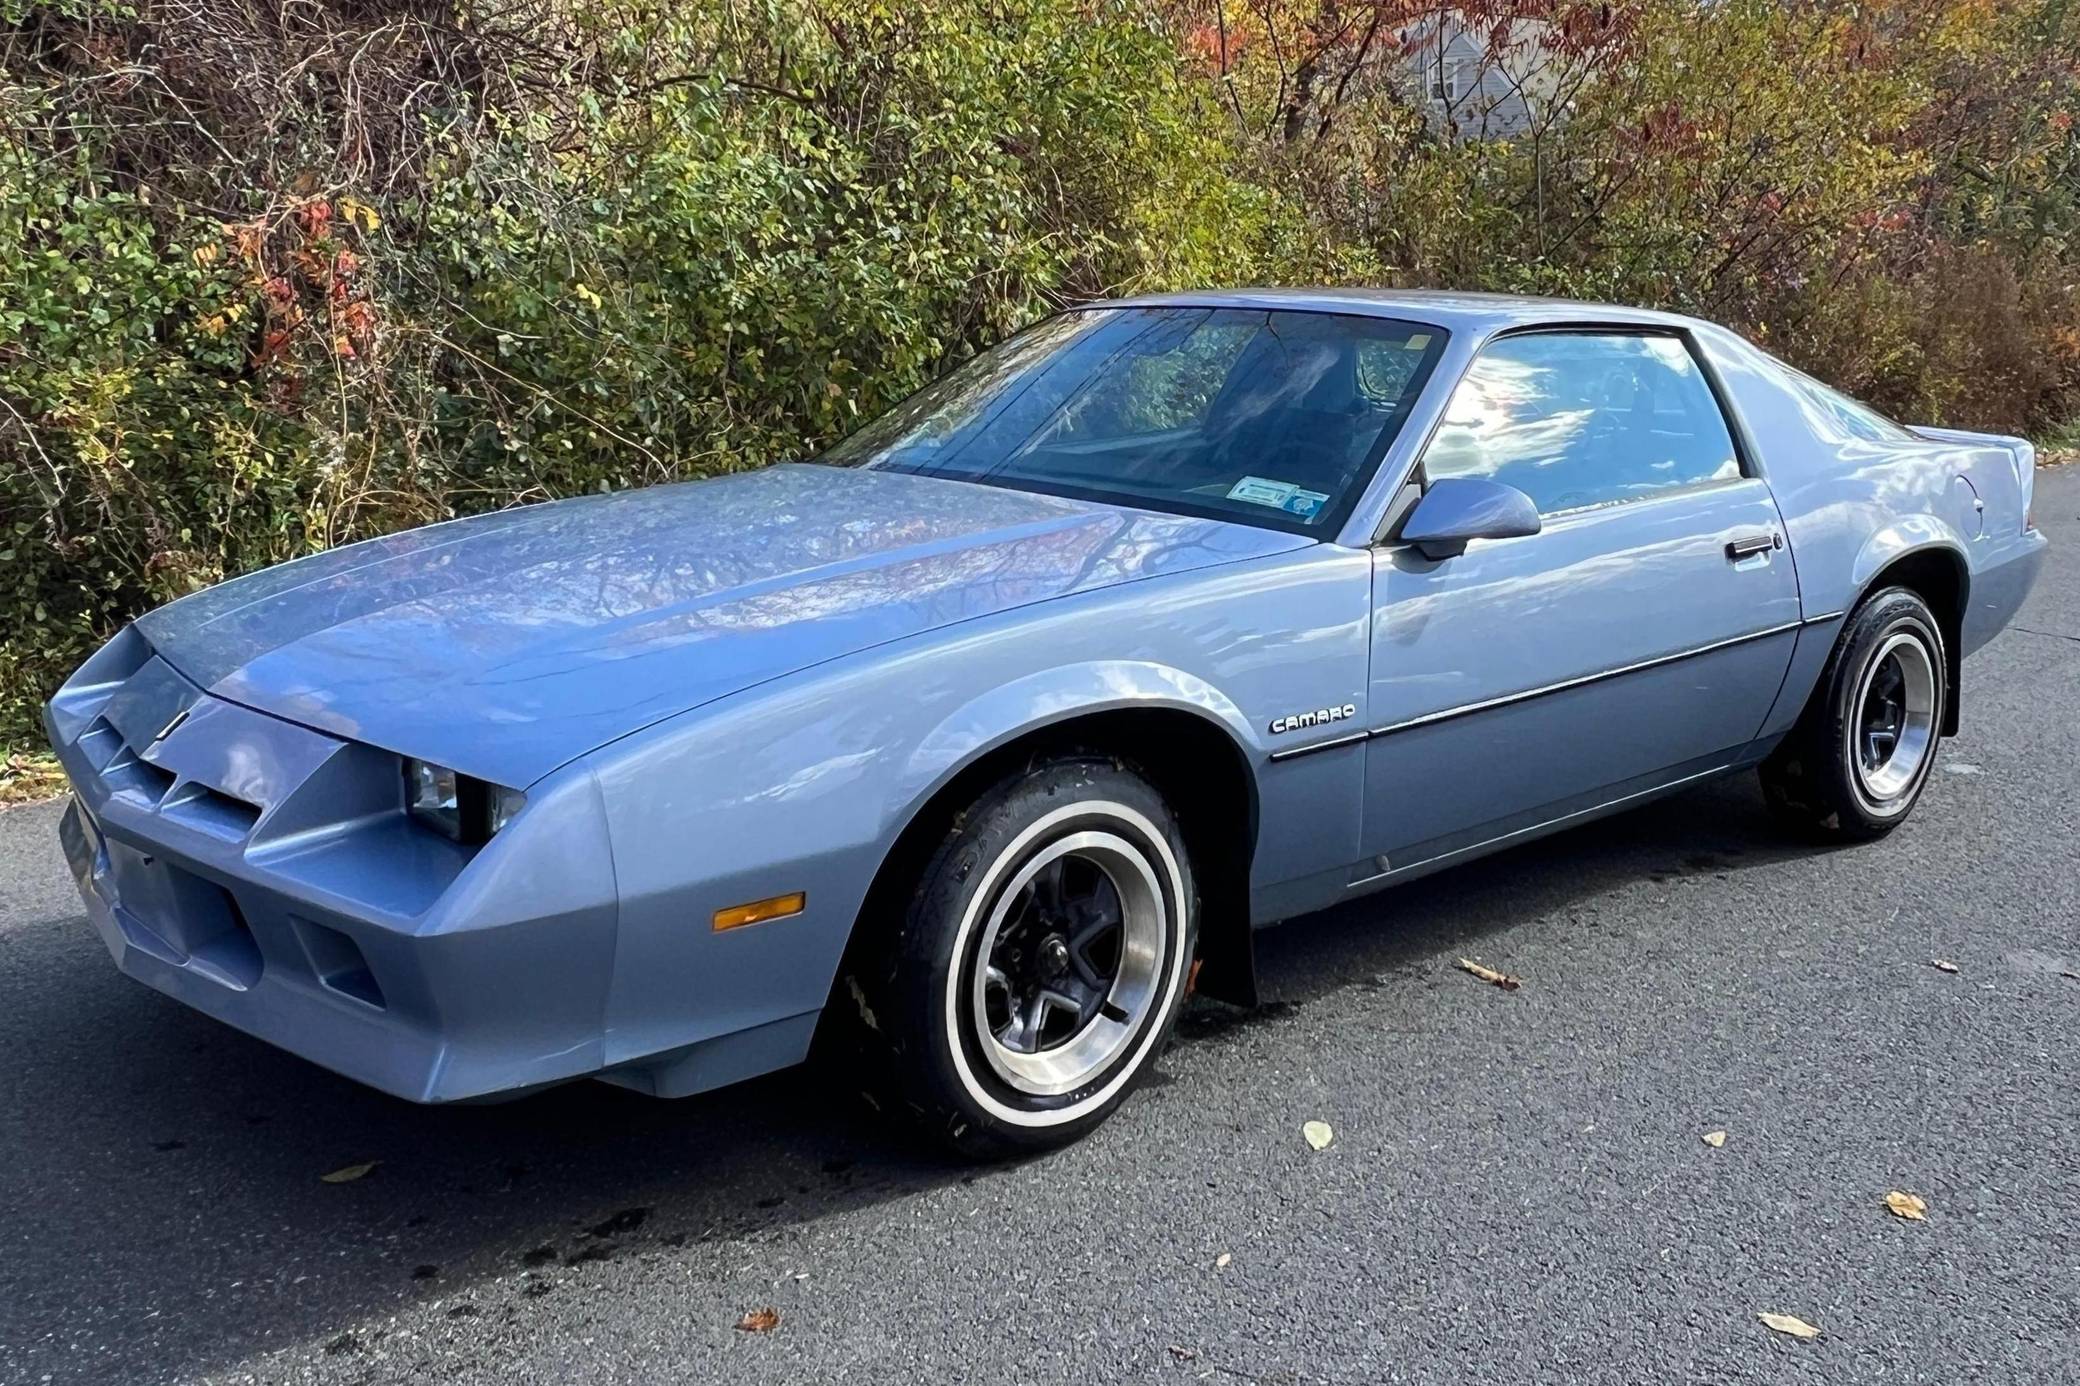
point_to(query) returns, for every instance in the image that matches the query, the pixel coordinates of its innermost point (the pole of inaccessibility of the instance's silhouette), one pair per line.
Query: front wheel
(1040, 964)
(1855, 765)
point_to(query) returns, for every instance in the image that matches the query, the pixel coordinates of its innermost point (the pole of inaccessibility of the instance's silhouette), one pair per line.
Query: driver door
(1635, 643)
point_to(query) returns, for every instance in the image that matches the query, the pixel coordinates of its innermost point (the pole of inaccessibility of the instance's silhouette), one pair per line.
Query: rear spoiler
(2025, 451)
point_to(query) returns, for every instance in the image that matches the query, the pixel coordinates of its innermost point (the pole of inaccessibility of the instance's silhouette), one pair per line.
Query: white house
(1483, 81)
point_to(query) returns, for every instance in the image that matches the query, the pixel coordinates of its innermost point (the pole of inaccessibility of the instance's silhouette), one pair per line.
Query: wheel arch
(1186, 749)
(1935, 571)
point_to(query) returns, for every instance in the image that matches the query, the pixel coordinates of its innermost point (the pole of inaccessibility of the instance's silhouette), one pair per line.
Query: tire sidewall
(1890, 612)
(943, 933)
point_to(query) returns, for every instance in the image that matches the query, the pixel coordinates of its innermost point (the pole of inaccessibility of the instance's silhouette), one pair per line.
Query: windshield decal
(1279, 495)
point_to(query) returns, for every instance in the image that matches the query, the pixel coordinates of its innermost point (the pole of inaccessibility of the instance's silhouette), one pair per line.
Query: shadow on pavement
(176, 1222)
(1715, 830)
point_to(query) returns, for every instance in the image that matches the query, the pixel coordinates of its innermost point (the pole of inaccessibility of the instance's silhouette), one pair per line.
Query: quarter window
(1576, 420)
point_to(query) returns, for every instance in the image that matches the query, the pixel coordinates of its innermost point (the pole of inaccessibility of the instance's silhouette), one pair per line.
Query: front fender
(804, 787)
(1023, 707)
(1052, 696)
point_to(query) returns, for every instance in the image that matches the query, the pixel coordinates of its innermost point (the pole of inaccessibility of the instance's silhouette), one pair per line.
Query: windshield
(1270, 418)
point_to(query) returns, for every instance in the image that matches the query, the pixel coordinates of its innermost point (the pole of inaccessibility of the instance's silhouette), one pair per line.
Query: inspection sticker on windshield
(1279, 495)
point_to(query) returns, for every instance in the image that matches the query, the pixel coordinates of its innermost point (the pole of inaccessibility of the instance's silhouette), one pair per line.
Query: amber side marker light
(759, 911)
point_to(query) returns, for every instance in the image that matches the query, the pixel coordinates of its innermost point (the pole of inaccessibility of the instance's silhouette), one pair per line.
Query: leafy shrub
(699, 244)
(277, 278)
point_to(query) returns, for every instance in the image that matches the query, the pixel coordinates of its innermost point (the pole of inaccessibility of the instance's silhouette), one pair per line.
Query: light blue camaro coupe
(978, 742)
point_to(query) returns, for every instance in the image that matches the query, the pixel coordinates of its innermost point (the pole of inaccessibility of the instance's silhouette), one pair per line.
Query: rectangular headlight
(456, 806)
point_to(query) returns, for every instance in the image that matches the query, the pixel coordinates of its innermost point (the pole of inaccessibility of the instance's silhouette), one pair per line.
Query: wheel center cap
(1054, 956)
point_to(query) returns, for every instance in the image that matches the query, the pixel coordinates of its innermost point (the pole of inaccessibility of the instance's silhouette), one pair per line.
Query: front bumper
(266, 874)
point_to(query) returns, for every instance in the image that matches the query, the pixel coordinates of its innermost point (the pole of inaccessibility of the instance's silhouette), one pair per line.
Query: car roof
(1477, 313)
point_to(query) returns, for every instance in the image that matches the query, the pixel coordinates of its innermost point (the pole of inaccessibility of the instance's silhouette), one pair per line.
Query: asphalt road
(1517, 1192)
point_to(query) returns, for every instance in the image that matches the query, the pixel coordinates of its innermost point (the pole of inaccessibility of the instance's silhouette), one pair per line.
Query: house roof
(1518, 46)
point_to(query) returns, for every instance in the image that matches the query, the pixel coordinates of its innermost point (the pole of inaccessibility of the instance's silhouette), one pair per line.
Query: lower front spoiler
(478, 1015)
(240, 958)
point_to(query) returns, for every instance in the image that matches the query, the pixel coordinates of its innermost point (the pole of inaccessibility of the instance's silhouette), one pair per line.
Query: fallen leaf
(1490, 975)
(1908, 1206)
(1318, 1134)
(1221, 1261)
(1785, 1323)
(760, 1320)
(1715, 1139)
(1942, 964)
(349, 1173)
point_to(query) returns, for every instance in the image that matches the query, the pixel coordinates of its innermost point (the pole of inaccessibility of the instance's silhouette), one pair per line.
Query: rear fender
(1908, 535)
(1915, 536)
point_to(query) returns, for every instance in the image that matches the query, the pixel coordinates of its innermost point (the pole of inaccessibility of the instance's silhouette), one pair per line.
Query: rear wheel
(1855, 765)
(1040, 963)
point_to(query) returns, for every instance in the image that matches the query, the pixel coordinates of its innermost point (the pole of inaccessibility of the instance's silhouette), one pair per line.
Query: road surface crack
(2052, 634)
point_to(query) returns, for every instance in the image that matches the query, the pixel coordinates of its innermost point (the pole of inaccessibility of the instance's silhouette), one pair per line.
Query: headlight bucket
(456, 806)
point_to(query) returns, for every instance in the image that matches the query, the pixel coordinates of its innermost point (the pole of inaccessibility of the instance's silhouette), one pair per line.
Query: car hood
(507, 644)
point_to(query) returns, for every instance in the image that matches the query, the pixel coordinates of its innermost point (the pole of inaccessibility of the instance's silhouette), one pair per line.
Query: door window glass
(1576, 420)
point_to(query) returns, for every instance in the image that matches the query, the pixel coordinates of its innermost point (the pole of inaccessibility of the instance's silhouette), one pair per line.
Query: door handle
(1748, 545)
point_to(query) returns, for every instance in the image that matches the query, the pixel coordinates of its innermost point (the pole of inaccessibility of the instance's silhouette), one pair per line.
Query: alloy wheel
(1069, 963)
(1895, 711)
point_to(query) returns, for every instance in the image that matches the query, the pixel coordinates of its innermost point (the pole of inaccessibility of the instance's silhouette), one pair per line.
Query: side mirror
(1458, 509)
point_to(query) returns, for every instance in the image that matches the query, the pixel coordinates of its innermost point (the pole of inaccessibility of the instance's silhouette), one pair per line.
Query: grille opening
(339, 963)
(128, 773)
(214, 811)
(207, 925)
(101, 742)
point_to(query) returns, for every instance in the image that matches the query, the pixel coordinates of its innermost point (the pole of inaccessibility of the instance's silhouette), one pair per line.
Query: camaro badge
(1321, 717)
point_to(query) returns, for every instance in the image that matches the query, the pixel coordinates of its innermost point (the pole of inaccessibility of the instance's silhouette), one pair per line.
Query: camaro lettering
(1321, 717)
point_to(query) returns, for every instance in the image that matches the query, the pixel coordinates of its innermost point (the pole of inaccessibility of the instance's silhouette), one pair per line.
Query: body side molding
(1489, 704)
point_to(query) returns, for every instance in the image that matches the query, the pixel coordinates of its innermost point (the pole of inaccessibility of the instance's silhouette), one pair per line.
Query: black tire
(1834, 777)
(1078, 826)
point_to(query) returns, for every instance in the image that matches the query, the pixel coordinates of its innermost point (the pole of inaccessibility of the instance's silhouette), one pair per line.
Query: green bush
(662, 272)
(139, 457)
(257, 301)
